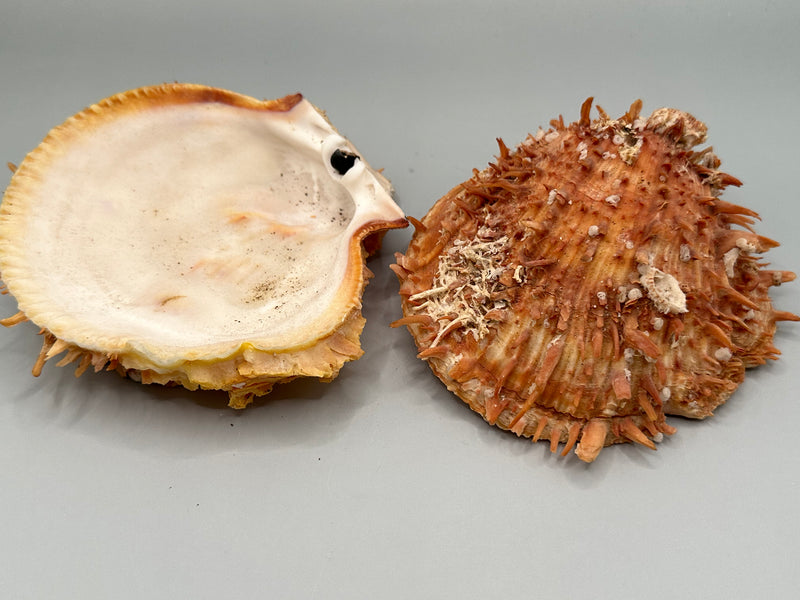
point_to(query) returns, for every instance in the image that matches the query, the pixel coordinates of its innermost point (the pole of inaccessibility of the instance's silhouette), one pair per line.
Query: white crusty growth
(663, 289)
(461, 294)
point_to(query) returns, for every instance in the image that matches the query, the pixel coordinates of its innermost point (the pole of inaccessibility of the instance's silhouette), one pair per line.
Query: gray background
(382, 484)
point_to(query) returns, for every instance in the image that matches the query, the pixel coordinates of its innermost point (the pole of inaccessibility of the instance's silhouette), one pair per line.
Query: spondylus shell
(592, 281)
(191, 235)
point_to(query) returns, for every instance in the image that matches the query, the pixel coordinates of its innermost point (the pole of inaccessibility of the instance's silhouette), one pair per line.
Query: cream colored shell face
(180, 231)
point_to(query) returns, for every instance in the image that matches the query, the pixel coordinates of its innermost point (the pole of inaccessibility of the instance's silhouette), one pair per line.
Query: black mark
(343, 161)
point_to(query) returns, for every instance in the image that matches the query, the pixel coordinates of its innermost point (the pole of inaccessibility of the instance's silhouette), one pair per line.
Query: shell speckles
(186, 234)
(591, 282)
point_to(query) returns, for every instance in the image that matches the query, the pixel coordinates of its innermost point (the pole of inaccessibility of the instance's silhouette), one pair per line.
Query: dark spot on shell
(343, 161)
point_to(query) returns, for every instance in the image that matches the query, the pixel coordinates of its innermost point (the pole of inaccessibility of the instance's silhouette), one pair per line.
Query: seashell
(591, 282)
(182, 234)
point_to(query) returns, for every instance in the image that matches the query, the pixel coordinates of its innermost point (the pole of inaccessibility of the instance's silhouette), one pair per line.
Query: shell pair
(578, 290)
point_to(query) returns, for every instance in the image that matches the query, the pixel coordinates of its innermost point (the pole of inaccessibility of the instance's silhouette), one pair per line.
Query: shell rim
(347, 298)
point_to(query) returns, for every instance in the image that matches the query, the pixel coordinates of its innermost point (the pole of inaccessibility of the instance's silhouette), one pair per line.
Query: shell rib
(591, 282)
(186, 234)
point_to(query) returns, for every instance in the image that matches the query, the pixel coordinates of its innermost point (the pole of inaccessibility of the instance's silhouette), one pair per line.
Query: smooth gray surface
(382, 484)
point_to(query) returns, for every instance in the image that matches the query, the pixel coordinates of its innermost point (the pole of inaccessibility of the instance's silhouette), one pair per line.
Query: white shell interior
(191, 228)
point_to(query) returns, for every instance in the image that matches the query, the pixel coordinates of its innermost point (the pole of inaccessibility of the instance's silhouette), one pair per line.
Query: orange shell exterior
(592, 281)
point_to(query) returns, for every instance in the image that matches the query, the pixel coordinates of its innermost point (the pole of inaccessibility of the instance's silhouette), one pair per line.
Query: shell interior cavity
(592, 281)
(187, 234)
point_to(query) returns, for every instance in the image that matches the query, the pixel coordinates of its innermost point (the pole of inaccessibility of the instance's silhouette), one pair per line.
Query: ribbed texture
(616, 302)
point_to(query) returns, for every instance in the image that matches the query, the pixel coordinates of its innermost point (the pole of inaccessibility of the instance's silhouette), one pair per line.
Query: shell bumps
(592, 281)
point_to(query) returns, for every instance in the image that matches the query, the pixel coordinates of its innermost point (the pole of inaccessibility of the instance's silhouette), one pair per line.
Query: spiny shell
(591, 282)
(191, 235)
